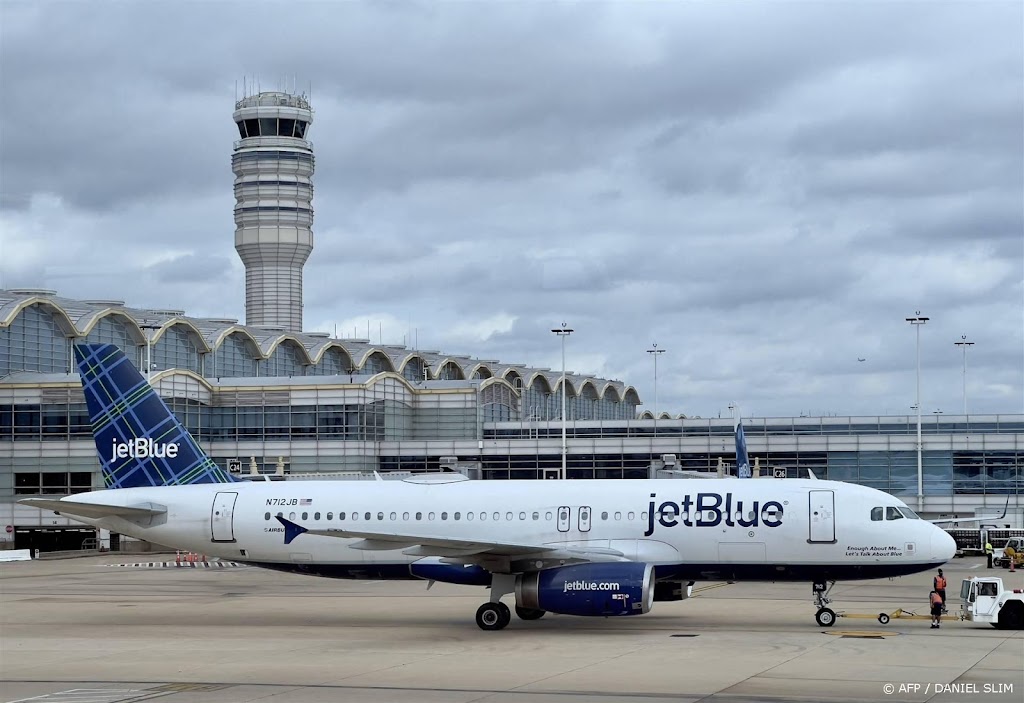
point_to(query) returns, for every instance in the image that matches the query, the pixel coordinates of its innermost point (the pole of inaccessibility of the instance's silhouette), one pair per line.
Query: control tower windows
(241, 129)
(268, 126)
(252, 128)
(300, 129)
(285, 128)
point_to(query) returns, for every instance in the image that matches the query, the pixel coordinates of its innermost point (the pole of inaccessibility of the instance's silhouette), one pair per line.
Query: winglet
(291, 530)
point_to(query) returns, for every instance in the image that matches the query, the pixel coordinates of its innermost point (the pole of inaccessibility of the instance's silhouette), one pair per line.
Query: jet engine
(588, 589)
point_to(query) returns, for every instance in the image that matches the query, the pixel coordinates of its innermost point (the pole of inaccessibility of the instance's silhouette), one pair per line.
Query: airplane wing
(95, 510)
(958, 520)
(429, 545)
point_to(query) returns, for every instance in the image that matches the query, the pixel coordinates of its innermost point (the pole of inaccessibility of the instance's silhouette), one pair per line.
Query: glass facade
(34, 341)
(288, 359)
(116, 330)
(334, 362)
(235, 357)
(176, 349)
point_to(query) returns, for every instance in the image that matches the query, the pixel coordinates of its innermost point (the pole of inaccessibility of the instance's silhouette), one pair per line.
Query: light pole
(654, 351)
(563, 332)
(963, 344)
(917, 321)
(149, 329)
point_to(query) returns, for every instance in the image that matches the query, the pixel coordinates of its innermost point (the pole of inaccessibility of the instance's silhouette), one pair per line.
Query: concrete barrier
(16, 555)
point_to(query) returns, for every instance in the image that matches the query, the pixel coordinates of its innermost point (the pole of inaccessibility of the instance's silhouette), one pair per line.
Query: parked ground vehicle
(1014, 550)
(985, 600)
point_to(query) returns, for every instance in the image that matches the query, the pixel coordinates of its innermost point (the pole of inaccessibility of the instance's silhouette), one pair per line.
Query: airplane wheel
(826, 617)
(883, 618)
(529, 613)
(493, 616)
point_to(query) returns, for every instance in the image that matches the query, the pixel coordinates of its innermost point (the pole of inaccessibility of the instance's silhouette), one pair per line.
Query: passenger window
(394, 516)
(380, 516)
(604, 516)
(419, 516)
(341, 516)
(430, 516)
(893, 514)
(291, 516)
(266, 516)
(522, 516)
(536, 516)
(631, 516)
(355, 516)
(469, 516)
(643, 516)
(305, 516)
(316, 516)
(444, 516)
(330, 516)
(547, 515)
(280, 514)
(483, 516)
(876, 514)
(366, 516)
(457, 516)
(497, 516)
(405, 516)
(508, 516)
(618, 516)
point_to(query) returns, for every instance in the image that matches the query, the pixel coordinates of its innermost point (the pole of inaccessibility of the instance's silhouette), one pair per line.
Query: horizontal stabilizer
(95, 510)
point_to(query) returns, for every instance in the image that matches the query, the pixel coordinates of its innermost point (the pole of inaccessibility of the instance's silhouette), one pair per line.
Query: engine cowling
(433, 569)
(589, 589)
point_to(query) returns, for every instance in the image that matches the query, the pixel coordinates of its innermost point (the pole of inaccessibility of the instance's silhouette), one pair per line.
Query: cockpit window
(892, 513)
(876, 514)
(908, 513)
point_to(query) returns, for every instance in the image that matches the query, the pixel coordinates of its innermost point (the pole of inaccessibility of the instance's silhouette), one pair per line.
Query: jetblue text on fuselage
(711, 509)
(143, 448)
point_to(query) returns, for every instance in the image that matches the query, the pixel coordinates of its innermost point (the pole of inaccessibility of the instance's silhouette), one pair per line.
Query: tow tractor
(983, 599)
(1013, 552)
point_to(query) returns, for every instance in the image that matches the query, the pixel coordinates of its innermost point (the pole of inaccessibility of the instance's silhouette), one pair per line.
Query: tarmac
(87, 631)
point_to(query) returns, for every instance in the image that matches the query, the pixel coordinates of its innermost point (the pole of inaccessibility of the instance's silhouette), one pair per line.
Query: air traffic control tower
(273, 165)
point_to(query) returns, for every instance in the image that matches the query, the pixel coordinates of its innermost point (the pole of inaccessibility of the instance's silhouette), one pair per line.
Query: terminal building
(266, 397)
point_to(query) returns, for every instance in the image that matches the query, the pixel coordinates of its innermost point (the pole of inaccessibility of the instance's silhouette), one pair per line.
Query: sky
(764, 190)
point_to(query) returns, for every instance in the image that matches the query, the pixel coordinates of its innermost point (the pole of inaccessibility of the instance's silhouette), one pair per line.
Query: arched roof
(483, 369)
(190, 329)
(592, 387)
(375, 351)
(630, 396)
(539, 376)
(408, 359)
(322, 349)
(512, 372)
(278, 341)
(94, 319)
(495, 380)
(445, 362)
(646, 415)
(569, 390)
(225, 332)
(611, 388)
(385, 375)
(56, 311)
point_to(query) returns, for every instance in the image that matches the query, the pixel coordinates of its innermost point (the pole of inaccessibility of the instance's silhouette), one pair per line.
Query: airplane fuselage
(764, 529)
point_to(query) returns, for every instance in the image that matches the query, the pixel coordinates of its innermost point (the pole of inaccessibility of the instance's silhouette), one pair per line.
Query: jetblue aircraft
(595, 548)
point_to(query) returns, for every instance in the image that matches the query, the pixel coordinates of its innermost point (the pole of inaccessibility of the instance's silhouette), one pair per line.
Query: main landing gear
(826, 617)
(495, 615)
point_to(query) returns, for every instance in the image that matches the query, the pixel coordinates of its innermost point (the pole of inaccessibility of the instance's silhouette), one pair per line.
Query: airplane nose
(943, 546)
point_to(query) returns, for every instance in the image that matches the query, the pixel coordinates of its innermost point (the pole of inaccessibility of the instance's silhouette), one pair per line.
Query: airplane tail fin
(139, 441)
(742, 461)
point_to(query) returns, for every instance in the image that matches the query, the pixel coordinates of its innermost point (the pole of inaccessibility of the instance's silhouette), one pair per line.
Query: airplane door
(222, 517)
(563, 519)
(584, 518)
(822, 518)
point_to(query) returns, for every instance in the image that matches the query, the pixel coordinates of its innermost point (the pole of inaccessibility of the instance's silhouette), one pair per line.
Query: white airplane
(595, 548)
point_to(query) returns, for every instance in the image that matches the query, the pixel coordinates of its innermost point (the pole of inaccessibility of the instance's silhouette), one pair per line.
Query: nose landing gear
(825, 617)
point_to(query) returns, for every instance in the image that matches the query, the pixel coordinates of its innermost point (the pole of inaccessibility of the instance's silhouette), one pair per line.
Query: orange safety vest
(940, 583)
(936, 599)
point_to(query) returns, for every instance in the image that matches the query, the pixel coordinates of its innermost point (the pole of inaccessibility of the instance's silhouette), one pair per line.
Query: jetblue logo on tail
(142, 448)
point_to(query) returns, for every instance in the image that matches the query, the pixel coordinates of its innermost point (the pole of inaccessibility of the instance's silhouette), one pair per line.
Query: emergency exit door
(222, 517)
(822, 517)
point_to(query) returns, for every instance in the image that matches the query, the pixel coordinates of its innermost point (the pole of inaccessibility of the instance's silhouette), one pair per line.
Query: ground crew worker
(939, 583)
(988, 553)
(936, 601)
